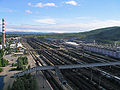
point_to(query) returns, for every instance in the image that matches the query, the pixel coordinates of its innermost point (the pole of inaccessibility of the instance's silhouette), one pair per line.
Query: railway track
(57, 57)
(55, 61)
(92, 58)
(49, 75)
(97, 79)
(79, 81)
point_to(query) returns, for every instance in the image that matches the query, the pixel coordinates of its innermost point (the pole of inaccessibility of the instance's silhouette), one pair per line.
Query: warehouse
(103, 50)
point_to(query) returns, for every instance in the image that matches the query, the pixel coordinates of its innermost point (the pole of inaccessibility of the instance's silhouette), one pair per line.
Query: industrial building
(113, 52)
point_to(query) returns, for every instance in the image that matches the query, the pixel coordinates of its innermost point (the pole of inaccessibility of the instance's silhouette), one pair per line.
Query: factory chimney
(3, 32)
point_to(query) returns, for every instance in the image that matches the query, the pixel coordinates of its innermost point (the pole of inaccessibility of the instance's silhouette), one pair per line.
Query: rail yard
(58, 53)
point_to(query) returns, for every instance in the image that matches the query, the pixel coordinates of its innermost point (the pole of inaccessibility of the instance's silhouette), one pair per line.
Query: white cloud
(44, 5)
(39, 5)
(10, 11)
(49, 4)
(46, 21)
(72, 2)
(64, 28)
(28, 11)
(29, 4)
(85, 18)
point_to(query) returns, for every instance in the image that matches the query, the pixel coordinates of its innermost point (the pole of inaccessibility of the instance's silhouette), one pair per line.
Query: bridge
(40, 68)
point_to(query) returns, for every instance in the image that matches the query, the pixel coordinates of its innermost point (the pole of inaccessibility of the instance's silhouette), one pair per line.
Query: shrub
(13, 69)
(14, 64)
(1, 53)
(3, 62)
(22, 61)
(1, 69)
(19, 64)
(26, 82)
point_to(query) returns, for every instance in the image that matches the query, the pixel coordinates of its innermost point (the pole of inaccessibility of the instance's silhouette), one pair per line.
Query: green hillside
(104, 34)
(108, 34)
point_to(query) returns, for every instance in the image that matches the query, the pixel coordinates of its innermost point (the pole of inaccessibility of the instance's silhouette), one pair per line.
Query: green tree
(26, 82)
(3, 62)
(1, 69)
(28, 66)
(19, 64)
(1, 53)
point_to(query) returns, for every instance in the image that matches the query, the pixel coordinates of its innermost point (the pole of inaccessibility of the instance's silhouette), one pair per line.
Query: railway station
(59, 45)
(58, 59)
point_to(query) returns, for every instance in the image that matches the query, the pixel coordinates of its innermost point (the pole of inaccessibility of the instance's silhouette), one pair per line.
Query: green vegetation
(59, 36)
(3, 62)
(26, 82)
(12, 35)
(16, 50)
(13, 69)
(118, 42)
(28, 66)
(7, 49)
(0, 36)
(14, 64)
(21, 61)
(1, 53)
(24, 60)
(103, 35)
(1, 69)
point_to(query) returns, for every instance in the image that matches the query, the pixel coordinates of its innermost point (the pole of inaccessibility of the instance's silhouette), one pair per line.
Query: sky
(61, 16)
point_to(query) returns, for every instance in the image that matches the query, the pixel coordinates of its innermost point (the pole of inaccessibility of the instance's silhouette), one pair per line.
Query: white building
(19, 45)
(19, 53)
(72, 43)
(13, 46)
(0, 46)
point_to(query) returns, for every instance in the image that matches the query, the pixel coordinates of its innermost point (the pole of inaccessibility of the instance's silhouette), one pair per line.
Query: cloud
(10, 11)
(39, 5)
(29, 4)
(28, 11)
(46, 21)
(85, 18)
(65, 27)
(49, 4)
(72, 2)
(6, 10)
(42, 4)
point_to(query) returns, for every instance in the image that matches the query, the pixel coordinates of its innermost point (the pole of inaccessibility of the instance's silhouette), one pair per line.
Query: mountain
(102, 35)
(26, 33)
(110, 34)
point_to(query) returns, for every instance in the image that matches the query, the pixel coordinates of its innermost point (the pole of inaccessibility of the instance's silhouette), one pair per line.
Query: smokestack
(3, 32)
